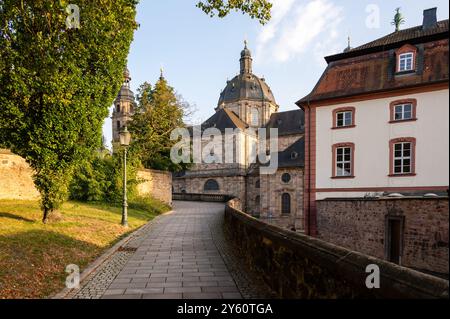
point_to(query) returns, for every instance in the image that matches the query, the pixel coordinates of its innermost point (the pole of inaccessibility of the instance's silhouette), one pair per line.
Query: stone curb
(104, 257)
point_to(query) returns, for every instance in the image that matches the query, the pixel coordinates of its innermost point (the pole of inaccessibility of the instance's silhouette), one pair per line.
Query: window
(406, 62)
(343, 118)
(343, 160)
(118, 125)
(286, 178)
(285, 203)
(258, 184)
(406, 59)
(211, 185)
(118, 108)
(403, 110)
(402, 157)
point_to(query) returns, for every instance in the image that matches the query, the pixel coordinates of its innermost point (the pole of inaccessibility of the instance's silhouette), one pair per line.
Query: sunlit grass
(33, 256)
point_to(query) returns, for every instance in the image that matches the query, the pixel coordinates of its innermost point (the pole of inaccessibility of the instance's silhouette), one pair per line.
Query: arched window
(118, 108)
(258, 184)
(285, 203)
(211, 185)
(257, 200)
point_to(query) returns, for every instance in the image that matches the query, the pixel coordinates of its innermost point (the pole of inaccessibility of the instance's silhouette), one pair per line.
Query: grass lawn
(33, 256)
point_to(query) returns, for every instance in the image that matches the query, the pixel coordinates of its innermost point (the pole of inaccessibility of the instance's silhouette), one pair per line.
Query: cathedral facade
(245, 105)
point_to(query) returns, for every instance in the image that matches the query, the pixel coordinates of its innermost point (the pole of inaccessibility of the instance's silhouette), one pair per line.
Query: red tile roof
(371, 67)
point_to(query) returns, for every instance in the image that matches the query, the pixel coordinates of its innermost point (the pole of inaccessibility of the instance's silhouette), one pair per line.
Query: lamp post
(125, 138)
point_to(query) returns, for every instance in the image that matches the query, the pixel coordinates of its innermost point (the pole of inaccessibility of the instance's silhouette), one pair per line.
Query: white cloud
(300, 26)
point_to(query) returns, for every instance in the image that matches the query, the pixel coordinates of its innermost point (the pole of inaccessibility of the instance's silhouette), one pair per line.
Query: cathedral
(247, 102)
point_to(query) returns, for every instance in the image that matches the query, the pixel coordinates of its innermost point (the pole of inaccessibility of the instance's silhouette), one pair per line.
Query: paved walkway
(177, 259)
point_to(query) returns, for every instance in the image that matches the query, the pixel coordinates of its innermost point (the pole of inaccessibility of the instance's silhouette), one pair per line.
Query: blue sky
(199, 53)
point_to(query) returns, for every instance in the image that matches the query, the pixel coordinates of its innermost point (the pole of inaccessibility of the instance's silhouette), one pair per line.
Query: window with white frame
(403, 158)
(403, 112)
(343, 161)
(344, 118)
(405, 62)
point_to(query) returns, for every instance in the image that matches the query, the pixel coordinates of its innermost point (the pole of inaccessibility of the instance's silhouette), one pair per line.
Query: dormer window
(405, 62)
(406, 59)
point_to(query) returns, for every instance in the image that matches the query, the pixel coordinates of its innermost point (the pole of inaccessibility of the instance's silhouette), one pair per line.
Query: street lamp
(125, 138)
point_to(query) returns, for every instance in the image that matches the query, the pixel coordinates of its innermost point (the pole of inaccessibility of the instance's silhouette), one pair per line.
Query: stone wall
(272, 190)
(361, 225)
(296, 266)
(158, 184)
(16, 180)
(228, 185)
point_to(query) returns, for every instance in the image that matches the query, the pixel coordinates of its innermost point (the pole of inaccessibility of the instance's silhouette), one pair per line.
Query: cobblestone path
(182, 255)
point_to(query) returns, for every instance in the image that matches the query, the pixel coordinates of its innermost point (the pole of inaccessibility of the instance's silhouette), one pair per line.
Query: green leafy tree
(99, 178)
(256, 9)
(57, 83)
(160, 110)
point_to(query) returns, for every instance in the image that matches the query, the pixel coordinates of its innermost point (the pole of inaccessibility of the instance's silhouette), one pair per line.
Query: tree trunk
(46, 213)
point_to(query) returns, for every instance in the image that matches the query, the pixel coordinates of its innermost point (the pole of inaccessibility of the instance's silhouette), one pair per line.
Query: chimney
(429, 18)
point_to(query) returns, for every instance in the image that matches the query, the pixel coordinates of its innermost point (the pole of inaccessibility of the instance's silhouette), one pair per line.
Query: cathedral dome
(246, 85)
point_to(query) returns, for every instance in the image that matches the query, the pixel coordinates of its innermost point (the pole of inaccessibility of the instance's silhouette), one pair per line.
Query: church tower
(124, 107)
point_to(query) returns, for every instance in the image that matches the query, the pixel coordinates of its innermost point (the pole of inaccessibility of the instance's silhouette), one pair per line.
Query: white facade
(371, 137)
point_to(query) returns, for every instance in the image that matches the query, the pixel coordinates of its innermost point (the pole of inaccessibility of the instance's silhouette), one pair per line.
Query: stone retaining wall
(16, 180)
(362, 225)
(299, 266)
(158, 184)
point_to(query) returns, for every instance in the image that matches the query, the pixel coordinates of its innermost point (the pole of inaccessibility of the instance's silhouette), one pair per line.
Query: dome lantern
(246, 60)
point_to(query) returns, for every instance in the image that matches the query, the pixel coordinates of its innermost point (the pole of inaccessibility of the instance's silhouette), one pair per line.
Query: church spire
(246, 60)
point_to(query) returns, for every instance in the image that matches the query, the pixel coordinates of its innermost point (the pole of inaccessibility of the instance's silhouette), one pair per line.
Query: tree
(100, 178)
(58, 79)
(57, 83)
(159, 112)
(256, 9)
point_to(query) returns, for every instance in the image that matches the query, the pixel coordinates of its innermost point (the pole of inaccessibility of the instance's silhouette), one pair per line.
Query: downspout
(309, 168)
